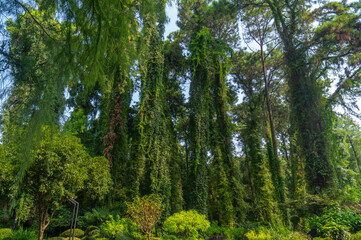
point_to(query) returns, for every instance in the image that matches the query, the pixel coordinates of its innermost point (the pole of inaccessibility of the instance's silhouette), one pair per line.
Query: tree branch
(343, 86)
(52, 214)
(32, 16)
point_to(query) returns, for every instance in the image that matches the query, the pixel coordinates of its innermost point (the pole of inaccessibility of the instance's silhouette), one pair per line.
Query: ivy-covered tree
(153, 153)
(249, 114)
(259, 30)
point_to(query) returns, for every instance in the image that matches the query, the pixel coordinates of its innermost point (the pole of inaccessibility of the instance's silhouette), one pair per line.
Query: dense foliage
(213, 132)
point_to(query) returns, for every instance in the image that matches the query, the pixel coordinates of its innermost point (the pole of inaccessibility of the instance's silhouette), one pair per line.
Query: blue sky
(172, 16)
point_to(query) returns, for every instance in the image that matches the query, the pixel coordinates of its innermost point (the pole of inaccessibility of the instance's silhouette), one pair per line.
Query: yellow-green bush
(252, 235)
(187, 224)
(356, 236)
(62, 238)
(297, 236)
(4, 232)
(116, 227)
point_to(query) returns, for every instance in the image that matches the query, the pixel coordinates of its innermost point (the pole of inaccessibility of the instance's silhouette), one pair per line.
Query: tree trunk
(269, 109)
(275, 165)
(355, 153)
(41, 227)
(309, 115)
(43, 214)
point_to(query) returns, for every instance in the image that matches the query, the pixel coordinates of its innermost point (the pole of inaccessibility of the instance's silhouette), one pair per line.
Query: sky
(172, 13)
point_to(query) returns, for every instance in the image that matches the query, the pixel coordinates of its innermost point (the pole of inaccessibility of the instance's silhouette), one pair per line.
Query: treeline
(277, 155)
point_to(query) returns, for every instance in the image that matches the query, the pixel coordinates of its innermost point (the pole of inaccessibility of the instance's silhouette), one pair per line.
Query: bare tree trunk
(41, 224)
(269, 109)
(277, 165)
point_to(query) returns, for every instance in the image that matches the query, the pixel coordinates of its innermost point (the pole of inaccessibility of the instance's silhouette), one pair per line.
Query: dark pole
(73, 219)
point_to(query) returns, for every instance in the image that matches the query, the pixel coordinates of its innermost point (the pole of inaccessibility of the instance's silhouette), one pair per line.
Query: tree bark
(276, 169)
(41, 224)
(269, 109)
(355, 153)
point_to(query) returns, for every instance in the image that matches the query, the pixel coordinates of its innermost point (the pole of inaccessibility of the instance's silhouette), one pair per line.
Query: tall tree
(247, 72)
(154, 153)
(258, 25)
(309, 115)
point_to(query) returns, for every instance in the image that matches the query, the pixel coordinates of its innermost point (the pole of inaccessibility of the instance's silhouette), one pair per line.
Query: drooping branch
(32, 16)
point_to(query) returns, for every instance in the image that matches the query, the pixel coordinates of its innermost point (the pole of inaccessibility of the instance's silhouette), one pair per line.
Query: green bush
(281, 232)
(356, 236)
(97, 216)
(335, 223)
(95, 232)
(22, 234)
(297, 236)
(187, 224)
(222, 231)
(121, 228)
(78, 233)
(4, 232)
(235, 233)
(335, 231)
(216, 231)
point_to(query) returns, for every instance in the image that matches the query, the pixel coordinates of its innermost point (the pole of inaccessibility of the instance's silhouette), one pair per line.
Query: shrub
(187, 224)
(95, 232)
(297, 236)
(252, 235)
(4, 232)
(335, 231)
(335, 223)
(78, 233)
(281, 232)
(356, 236)
(222, 231)
(235, 233)
(97, 216)
(215, 230)
(22, 234)
(120, 228)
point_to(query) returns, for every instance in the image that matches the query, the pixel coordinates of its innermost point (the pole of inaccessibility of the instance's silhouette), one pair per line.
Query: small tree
(61, 169)
(146, 211)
